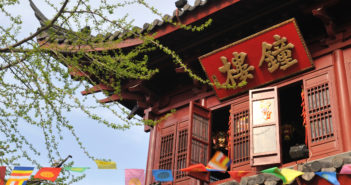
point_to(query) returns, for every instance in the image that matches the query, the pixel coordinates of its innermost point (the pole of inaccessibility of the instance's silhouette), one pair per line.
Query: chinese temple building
(281, 75)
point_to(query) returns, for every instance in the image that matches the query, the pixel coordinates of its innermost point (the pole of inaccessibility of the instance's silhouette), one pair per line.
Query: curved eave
(103, 46)
(190, 17)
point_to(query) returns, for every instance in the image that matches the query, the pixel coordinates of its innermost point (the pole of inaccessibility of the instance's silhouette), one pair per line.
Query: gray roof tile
(114, 36)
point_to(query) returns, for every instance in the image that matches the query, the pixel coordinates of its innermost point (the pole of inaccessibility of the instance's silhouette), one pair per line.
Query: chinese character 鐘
(278, 54)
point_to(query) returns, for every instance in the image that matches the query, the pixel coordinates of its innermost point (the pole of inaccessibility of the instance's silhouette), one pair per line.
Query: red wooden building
(294, 86)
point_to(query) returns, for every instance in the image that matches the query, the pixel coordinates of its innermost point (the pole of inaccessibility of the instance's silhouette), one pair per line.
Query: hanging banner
(346, 169)
(290, 174)
(219, 161)
(19, 175)
(276, 172)
(195, 168)
(106, 164)
(162, 175)
(329, 176)
(134, 176)
(48, 173)
(237, 175)
(2, 174)
(76, 169)
(270, 55)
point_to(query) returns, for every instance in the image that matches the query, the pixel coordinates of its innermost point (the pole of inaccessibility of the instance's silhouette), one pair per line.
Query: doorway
(219, 130)
(291, 121)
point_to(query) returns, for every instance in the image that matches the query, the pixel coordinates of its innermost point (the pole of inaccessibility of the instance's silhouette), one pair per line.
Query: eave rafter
(75, 72)
(97, 88)
(133, 90)
(122, 96)
(138, 86)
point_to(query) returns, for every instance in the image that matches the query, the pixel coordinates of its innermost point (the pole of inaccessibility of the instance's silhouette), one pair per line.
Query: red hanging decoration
(304, 115)
(230, 137)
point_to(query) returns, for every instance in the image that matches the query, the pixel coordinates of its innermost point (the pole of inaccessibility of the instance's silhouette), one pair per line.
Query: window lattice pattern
(182, 141)
(182, 153)
(198, 152)
(241, 137)
(320, 114)
(181, 163)
(200, 127)
(198, 145)
(166, 152)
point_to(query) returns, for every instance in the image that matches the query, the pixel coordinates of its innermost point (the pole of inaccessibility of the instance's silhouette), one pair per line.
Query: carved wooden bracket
(75, 72)
(140, 87)
(142, 104)
(133, 111)
(134, 90)
(148, 115)
(97, 88)
(122, 96)
(326, 19)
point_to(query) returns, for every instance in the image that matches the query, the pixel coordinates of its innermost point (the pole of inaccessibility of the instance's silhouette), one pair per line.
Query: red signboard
(267, 56)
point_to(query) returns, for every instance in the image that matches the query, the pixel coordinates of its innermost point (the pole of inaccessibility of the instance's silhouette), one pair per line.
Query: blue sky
(127, 148)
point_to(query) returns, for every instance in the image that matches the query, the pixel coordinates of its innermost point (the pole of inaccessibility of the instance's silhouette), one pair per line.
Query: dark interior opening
(220, 126)
(291, 121)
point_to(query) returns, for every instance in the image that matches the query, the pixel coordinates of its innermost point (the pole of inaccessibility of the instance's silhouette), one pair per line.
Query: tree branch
(51, 23)
(12, 64)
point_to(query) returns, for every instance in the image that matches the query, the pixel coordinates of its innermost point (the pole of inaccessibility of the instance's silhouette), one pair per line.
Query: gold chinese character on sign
(278, 54)
(241, 71)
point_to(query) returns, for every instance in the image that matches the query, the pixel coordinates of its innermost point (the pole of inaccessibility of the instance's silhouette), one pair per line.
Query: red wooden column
(344, 108)
(150, 157)
(151, 152)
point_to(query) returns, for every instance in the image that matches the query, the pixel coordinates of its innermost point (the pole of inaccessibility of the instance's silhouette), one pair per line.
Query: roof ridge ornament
(56, 28)
(38, 14)
(180, 4)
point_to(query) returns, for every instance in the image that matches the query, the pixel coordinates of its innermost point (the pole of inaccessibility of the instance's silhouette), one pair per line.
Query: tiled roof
(152, 27)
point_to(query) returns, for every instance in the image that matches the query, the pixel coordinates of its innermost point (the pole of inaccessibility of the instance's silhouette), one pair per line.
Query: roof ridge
(38, 14)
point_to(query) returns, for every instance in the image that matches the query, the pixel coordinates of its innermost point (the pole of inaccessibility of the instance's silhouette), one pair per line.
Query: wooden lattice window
(181, 153)
(199, 149)
(198, 152)
(320, 114)
(166, 153)
(199, 138)
(200, 128)
(241, 142)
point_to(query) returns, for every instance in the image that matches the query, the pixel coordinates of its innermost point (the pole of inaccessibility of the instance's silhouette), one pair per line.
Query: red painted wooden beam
(97, 88)
(76, 72)
(180, 70)
(122, 96)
